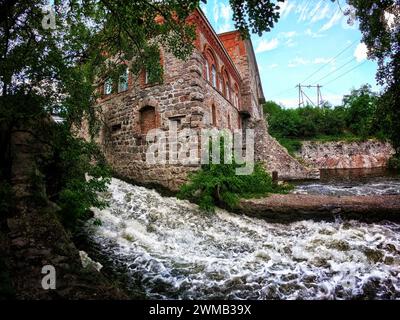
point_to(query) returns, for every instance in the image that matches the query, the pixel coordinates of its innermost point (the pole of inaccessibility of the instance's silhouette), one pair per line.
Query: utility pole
(303, 95)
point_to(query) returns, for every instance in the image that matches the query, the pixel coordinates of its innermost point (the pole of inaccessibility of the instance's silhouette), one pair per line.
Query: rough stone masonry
(219, 86)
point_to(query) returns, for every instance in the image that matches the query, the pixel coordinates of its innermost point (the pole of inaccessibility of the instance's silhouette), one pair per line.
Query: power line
(331, 60)
(347, 72)
(336, 70)
(302, 94)
(281, 93)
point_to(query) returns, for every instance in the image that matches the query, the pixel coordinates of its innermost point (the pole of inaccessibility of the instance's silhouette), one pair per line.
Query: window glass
(123, 81)
(214, 76)
(108, 86)
(207, 70)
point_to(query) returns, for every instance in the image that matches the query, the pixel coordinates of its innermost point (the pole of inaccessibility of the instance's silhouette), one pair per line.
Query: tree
(361, 107)
(379, 24)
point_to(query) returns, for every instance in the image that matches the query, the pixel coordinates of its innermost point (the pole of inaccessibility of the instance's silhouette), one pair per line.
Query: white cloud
(286, 8)
(289, 103)
(322, 60)
(273, 66)
(204, 9)
(361, 52)
(266, 45)
(216, 12)
(290, 43)
(227, 26)
(303, 10)
(333, 21)
(312, 34)
(289, 34)
(316, 9)
(390, 20)
(226, 12)
(298, 62)
(322, 14)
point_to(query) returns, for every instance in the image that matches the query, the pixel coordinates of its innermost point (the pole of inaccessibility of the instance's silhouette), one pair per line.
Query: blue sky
(309, 35)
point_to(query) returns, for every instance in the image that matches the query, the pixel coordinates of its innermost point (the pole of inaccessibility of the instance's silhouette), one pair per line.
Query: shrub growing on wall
(219, 185)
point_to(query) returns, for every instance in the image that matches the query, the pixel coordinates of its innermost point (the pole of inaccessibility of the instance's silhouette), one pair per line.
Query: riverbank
(346, 154)
(295, 207)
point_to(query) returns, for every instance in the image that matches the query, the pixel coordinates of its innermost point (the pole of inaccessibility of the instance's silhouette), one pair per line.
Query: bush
(219, 185)
(76, 173)
(291, 145)
(394, 163)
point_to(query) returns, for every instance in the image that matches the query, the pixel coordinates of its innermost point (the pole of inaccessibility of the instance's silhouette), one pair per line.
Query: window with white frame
(123, 81)
(108, 86)
(214, 76)
(207, 70)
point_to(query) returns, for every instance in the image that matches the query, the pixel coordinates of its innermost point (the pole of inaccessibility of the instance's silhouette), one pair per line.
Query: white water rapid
(174, 251)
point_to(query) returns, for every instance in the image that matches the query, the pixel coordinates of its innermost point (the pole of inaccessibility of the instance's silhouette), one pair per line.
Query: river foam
(175, 251)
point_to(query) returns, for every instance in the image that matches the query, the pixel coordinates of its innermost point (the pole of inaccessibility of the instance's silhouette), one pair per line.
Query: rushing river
(355, 182)
(174, 251)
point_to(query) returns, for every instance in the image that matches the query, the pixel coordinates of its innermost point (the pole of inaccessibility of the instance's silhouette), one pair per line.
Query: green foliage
(382, 37)
(292, 145)
(219, 185)
(97, 222)
(360, 106)
(79, 171)
(394, 162)
(255, 16)
(359, 118)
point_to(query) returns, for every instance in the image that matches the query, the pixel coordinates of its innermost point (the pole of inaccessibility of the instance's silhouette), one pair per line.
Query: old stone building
(218, 87)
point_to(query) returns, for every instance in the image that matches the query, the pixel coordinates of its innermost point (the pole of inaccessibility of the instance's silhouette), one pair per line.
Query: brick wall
(186, 97)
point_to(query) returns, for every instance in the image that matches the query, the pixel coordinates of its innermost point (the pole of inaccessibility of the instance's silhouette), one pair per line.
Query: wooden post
(275, 177)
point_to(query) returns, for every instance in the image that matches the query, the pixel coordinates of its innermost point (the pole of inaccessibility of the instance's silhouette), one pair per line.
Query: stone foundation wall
(345, 155)
(180, 97)
(276, 158)
(187, 98)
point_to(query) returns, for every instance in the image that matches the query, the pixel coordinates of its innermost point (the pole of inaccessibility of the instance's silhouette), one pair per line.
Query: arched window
(211, 66)
(147, 119)
(214, 115)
